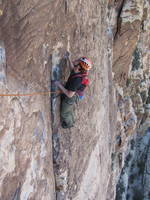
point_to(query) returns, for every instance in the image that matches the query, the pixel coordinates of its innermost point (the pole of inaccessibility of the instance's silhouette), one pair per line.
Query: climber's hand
(57, 83)
(67, 55)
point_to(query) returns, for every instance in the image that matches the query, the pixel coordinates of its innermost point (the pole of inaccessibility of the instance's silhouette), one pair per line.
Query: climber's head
(82, 64)
(85, 63)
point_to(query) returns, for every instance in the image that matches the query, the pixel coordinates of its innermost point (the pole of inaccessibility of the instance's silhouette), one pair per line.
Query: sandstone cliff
(106, 155)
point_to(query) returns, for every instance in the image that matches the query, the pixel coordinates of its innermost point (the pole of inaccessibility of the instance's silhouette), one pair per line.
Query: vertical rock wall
(36, 35)
(82, 159)
(87, 161)
(131, 68)
(25, 132)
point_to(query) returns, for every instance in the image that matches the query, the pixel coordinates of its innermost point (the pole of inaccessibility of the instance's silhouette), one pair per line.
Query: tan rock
(88, 159)
(126, 37)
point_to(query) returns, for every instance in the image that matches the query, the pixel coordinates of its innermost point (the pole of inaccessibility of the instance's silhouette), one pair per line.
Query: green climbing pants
(67, 110)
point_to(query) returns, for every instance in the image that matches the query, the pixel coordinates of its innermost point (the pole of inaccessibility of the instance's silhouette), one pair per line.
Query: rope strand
(30, 94)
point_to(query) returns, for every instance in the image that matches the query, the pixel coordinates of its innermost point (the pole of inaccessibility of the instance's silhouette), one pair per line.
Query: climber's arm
(68, 93)
(70, 63)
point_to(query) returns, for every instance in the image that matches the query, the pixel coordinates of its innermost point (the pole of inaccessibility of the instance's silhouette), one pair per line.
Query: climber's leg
(67, 111)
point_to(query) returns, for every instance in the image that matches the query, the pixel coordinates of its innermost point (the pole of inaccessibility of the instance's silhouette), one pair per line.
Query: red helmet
(85, 63)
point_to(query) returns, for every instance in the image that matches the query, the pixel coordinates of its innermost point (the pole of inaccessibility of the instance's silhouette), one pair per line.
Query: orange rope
(30, 94)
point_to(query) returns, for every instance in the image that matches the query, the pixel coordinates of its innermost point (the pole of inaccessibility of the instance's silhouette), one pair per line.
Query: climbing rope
(30, 94)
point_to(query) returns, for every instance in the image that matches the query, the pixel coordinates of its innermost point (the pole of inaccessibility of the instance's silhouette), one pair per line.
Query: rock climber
(73, 89)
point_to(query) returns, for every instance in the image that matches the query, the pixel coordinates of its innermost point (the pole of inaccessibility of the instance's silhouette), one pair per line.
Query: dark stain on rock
(17, 194)
(66, 6)
(119, 9)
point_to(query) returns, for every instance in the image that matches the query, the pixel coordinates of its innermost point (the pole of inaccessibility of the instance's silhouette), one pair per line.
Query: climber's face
(76, 62)
(77, 68)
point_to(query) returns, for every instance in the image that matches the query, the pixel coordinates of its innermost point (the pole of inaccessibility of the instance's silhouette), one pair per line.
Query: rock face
(126, 36)
(106, 155)
(25, 130)
(78, 153)
(130, 65)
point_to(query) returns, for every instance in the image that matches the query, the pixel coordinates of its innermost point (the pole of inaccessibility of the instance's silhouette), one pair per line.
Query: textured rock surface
(126, 36)
(81, 149)
(94, 160)
(26, 170)
(132, 72)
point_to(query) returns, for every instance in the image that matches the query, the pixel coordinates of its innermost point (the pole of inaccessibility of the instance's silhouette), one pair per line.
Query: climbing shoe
(64, 125)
